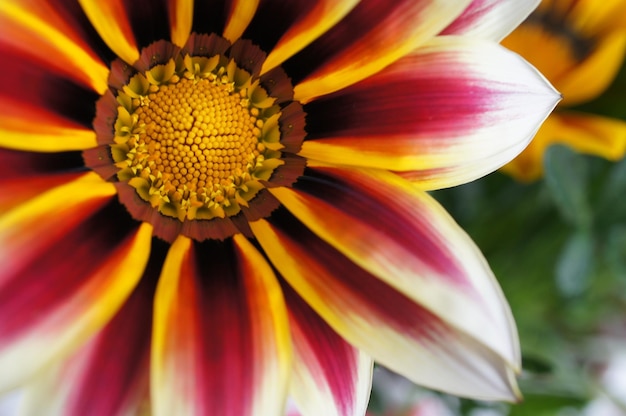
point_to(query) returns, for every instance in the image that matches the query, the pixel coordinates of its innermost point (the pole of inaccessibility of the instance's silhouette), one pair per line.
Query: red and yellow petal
(181, 20)
(450, 113)
(15, 191)
(109, 374)
(382, 320)
(324, 15)
(221, 339)
(24, 175)
(51, 133)
(373, 35)
(330, 377)
(41, 111)
(53, 301)
(111, 20)
(491, 19)
(404, 237)
(586, 133)
(239, 17)
(37, 30)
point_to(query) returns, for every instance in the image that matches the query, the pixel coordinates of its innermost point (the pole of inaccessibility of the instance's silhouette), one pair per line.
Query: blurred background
(552, 224)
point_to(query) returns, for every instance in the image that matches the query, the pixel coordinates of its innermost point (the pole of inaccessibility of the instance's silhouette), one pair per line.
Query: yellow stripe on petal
(121, 278)
(51, 139)
(241, 14)
(325, 384)
(322, 17)
(111, 21)
(402, 337)
(61, 332)
(266, 295)
(181, 20)
(50, 44)
(165, 297)
(217, 313)
(89, 186)
(400, 263)
(410, 25)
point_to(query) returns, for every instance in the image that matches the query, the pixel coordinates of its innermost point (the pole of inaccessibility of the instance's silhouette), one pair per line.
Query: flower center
(191, 136)
(194, 143)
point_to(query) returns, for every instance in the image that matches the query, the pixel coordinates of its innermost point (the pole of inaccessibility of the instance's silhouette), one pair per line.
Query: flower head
(205, 205)
(579, 46)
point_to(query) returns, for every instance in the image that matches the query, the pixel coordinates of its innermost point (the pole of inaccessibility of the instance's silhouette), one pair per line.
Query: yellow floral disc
(196, 137)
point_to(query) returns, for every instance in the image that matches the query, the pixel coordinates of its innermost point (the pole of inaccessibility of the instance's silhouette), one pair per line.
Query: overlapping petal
(491, 19)
(373, 35)
(111, 20)
(109, 374)
(400, 234)
(181, 19)
(375, 267)
(51, 134)
(452, 112)
(330, 377)
(24, 175)
(63, 275)
(382, 320)
(221, 341)
(40, 111)
(37, 30)
(240, 14)
(322, 16)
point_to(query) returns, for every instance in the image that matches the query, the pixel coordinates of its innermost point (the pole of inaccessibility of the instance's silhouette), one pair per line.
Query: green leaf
(610, 205)
(615, 251)
(575, 265)
(566, 177)
(545, 405)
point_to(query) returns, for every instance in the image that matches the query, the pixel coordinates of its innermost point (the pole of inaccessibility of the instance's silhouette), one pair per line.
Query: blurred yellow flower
(579, 46)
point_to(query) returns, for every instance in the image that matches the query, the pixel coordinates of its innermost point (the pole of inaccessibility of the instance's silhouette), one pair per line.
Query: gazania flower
(199, 213)
(579, 45)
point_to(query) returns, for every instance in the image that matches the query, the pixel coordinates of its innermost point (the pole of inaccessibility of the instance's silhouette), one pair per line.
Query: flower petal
(51, 134)
(111, 21)
(109, 374)
(52, 301)
(221, 340)
(382, 321)
(373, 35)
(24, 175)
(323, 16)
(401, 235)
(578, 67)
(452, 112)
(240, 14)
(37, 30)
(586, 133)
(491, 19)
(331, 377)
(40, 111)
(181, 19)
(14, 192)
